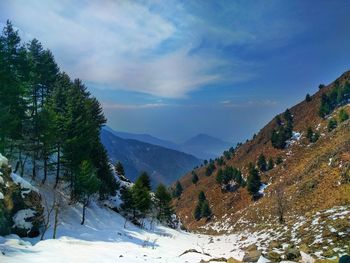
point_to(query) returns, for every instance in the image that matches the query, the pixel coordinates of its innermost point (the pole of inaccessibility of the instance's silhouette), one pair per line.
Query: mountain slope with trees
(295, 167)
(163, 165)
(50, 123)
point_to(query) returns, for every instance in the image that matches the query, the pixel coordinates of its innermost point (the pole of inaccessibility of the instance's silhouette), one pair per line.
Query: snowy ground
(103, 238)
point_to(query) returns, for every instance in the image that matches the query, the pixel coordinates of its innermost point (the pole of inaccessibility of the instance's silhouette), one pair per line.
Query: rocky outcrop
(21, 211)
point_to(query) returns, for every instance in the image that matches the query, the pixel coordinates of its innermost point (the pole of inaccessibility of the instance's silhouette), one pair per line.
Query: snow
(103, 239)
(20, 217)
(262, 188)
(1, 195)
(3, 160)
(25, 185)
(296, 136)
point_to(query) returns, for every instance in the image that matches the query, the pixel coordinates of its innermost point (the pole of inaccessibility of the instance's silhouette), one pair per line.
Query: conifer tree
(262, 163)
(201, 196)
(308, 98)
(177, 192)
(205, 210)
(145, 180)
(332, 124)
(119, 169)
(253, 180)
(163, 204)
(198, 211)
(12, 87)
(87, 184)
(141, 196)
(194, 177)
(343, 115)
(270, 164)
(128, 204)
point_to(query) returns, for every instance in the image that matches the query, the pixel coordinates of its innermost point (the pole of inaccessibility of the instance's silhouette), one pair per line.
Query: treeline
(337, 96)
(49, 122)
(284, 130)
(139, 202)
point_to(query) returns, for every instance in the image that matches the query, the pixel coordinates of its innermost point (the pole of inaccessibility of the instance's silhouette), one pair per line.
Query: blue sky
(177, 68)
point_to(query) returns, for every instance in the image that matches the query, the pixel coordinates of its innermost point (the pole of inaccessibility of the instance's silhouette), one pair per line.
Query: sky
(174, 69)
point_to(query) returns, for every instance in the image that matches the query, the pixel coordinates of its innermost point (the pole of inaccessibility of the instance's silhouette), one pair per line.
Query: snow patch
(25, 185)
(20, 217)
(1, 195)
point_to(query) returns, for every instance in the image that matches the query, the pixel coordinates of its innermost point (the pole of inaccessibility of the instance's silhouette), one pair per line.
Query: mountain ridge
(202, 146)
(313, 177)
(163, 165)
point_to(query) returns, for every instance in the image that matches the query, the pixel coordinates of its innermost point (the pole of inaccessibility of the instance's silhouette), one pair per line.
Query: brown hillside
(313, 176)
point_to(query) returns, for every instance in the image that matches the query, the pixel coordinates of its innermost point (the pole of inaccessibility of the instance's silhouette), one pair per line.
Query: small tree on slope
(253, 180)
(87, 184)
(163, 204)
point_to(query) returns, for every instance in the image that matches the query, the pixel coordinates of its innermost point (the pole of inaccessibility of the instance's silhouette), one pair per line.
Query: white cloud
(117, 106)
(113, 44)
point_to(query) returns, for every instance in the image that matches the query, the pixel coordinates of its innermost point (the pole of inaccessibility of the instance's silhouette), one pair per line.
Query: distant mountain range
(202, 146)
(164, 165)
(205, 146)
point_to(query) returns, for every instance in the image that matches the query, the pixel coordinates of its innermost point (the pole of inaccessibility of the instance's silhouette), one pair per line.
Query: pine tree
(198, 212)
(177, 192)
(201, 196)
(163, 204)
(253, 180)
(141, 196)
(128, 204)
(308, 98)
(194, 177)
(205, 209)
(119, 169)
(87, 184)
(12, 87)
(343, 115)
(145, 180)
(332, 124)
(219, 176)
(270, 164)
(262, 163)
(279, 160)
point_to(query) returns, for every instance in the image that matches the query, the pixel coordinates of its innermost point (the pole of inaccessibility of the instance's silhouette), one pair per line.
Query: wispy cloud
(249, 104)
(145, 46)
(117, 106)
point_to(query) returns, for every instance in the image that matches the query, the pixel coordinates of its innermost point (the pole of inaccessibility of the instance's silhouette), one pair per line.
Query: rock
(21, 209)
(274, 244)
(292, 253)
(305, 248)
(233, 260)
(251, 247)
(306, 258)
(274, 256)
(252, 256)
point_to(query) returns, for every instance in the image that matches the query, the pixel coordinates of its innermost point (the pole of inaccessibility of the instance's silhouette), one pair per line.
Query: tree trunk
(58, 165)
(45, 170)
(56, 221)
(84, 208)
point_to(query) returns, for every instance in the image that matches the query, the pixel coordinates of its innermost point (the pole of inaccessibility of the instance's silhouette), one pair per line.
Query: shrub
(308, 98)
(332, 124)
(343, 115)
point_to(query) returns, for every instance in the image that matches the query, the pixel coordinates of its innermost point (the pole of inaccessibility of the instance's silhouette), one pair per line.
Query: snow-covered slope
(103, 238)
